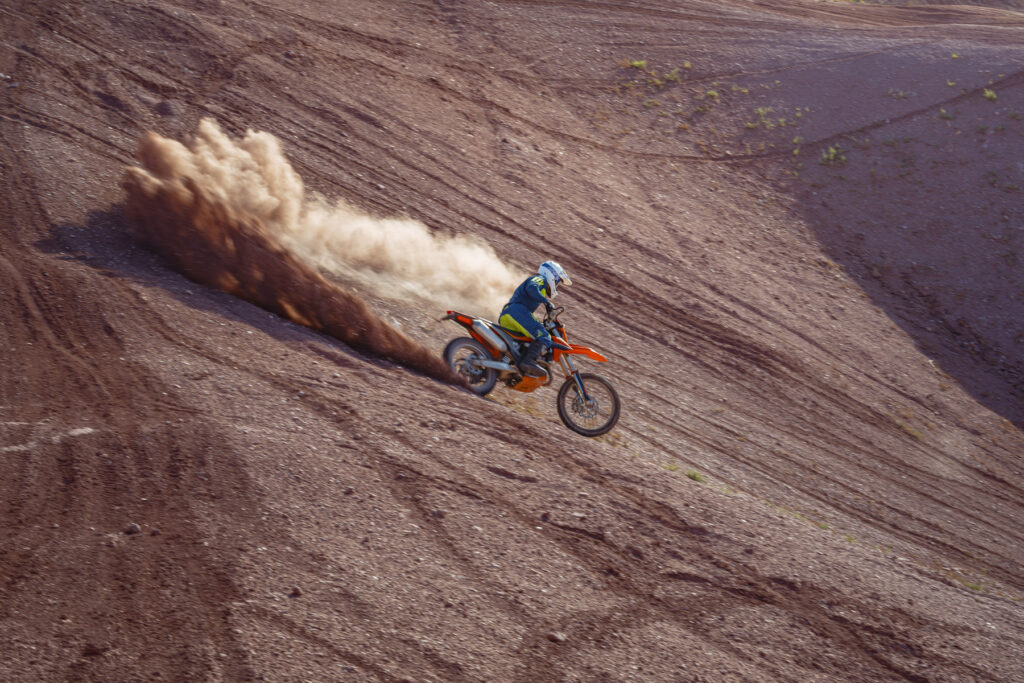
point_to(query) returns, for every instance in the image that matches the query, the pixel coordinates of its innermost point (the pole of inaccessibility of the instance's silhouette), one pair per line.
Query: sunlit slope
(307, 511)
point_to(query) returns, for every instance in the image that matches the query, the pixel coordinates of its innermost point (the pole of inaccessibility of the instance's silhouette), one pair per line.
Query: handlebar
(552, 315)
(551, 323)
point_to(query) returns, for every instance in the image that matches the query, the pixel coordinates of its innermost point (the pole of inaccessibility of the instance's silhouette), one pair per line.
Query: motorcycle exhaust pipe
(501, 366)
(489, 336)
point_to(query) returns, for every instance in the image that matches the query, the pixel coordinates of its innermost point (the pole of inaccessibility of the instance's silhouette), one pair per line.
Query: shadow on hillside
(935, 236)
(105, 243)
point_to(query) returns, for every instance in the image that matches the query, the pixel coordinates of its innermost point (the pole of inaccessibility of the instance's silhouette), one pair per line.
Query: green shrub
(833, 156)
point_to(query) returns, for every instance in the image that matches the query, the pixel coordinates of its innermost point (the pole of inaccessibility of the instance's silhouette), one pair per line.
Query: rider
(517, 315)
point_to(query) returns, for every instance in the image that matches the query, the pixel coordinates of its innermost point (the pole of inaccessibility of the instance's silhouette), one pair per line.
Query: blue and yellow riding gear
(517, 315)
(534, 291)
(531, 293)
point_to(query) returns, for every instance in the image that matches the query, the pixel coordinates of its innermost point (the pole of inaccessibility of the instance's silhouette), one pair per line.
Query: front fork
(570, 370)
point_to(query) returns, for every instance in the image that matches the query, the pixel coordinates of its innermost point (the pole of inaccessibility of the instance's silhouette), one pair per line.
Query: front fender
(578, 349)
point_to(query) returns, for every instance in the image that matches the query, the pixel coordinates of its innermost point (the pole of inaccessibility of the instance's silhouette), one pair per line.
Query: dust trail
(398, 257)
(209, 209)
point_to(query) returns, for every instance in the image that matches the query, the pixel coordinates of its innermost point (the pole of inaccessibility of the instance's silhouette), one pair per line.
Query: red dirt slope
(793, 227)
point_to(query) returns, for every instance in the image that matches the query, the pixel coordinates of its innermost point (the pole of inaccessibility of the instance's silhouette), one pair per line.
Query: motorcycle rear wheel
(592, 417)
(459, 354)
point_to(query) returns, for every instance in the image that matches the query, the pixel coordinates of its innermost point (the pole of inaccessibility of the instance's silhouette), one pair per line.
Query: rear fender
(461, 319)
(467, 322)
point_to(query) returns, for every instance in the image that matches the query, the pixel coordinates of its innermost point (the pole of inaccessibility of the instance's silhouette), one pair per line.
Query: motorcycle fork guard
(570, 370)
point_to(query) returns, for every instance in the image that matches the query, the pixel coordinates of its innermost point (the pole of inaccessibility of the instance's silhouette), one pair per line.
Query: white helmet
(553, 275)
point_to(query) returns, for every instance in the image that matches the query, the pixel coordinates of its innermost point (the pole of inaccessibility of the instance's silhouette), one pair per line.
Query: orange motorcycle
(588, 404)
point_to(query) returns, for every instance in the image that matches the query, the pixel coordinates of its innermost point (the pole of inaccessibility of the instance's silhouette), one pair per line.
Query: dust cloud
(233, 214)
(394, 257)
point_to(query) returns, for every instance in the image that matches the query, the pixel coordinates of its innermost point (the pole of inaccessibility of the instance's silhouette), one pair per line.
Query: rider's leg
(528, 362)
(517, 317)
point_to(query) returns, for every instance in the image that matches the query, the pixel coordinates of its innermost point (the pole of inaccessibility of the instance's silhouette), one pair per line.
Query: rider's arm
(536, 289)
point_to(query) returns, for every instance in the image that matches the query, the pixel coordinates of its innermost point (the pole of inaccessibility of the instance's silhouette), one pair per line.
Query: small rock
(132, 528)
(165, 108)
(296, 592)
(545, 517)
(93, 650)
(289, 54)
(439, 514)
(557, 637)
(349, 491)
(154, 532)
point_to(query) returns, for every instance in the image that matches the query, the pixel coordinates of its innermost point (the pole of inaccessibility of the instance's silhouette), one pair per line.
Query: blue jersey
(531, 294)
(518, 312)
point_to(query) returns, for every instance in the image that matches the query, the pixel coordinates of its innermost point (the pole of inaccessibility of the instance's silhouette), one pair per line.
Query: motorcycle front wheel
(460, 354)
(591, 416)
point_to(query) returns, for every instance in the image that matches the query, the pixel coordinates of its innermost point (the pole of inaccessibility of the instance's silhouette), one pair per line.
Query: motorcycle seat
(518, 336)
(504, 331)
(511, 338)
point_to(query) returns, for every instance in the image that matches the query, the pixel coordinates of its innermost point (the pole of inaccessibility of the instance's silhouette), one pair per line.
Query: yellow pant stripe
(510, 323)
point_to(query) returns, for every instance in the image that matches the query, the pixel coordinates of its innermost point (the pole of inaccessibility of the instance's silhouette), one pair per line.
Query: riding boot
(528, 361)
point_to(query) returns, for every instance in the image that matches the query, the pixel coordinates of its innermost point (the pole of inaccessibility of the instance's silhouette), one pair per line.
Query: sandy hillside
(795, 228)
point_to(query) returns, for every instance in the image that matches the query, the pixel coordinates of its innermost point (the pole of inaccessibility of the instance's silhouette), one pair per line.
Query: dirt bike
(588, 404)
